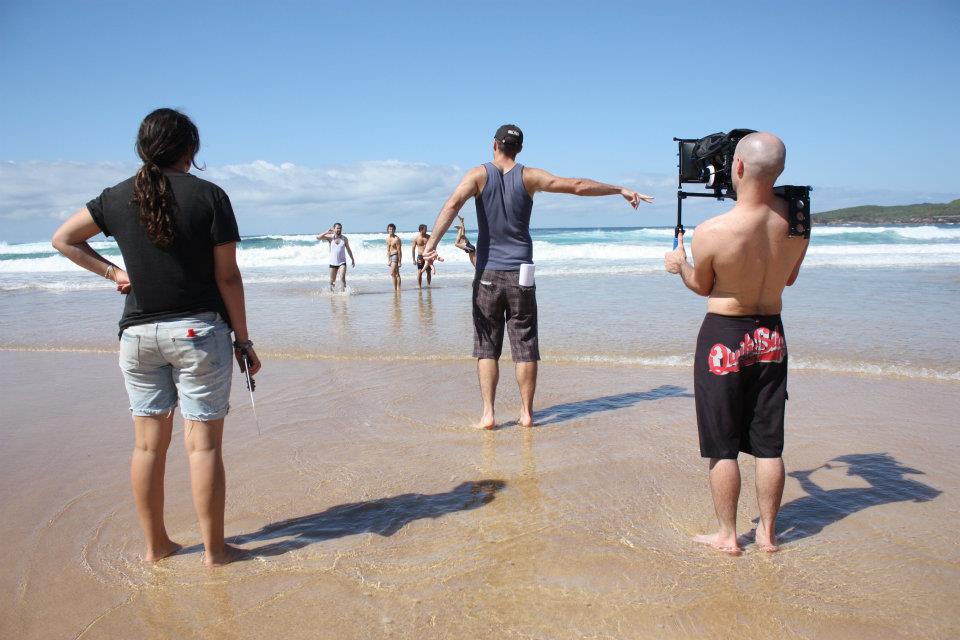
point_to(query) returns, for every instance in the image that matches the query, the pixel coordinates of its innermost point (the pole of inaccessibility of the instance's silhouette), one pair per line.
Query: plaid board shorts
(498, 301)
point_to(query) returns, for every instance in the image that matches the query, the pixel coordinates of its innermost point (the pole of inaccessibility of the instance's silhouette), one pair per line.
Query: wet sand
(372, 509)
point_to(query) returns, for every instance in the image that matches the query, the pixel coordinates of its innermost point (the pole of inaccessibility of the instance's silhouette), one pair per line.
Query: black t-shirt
(179, 280)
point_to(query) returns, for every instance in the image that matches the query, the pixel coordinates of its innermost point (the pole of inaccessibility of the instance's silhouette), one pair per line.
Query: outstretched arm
(539, 180)
(326, 235)
(71, 240)
(469, 187)
(699, 278)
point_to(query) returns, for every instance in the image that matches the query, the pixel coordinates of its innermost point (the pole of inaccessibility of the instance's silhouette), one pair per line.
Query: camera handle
(679, 228)
(681, 195)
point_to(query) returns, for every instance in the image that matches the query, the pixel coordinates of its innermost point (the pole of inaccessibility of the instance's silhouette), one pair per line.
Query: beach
(370, 507)
(373, 509)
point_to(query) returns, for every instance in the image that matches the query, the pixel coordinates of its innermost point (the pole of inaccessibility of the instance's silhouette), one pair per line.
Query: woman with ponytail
(184, 295)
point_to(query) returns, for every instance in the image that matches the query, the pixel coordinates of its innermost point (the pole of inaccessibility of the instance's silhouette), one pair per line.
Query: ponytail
(153, 193)
(165, 139)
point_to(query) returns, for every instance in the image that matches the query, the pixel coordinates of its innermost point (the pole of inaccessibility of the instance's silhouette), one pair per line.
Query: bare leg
(429, 275)
(419, 278)
(151, 439)
(333, 278)
(770, 479)
(208, 481)
(488, 371)
(343, 277)
(725, 487)
(527, 381)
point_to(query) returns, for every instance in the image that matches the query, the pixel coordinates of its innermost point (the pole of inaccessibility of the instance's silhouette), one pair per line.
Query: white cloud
(53, 190)
(284, 189)
(267, 197)
(289, 198)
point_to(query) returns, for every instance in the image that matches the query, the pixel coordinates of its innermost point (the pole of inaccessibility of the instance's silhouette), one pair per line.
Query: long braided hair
(165, 138)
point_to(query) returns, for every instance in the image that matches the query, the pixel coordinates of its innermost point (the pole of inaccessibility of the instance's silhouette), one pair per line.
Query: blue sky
(370, 111)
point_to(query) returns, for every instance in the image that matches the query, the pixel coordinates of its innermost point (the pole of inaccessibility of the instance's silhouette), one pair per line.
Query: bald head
(763, 155)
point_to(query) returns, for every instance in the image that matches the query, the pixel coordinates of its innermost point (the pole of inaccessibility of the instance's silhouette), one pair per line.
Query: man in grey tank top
(503, 191)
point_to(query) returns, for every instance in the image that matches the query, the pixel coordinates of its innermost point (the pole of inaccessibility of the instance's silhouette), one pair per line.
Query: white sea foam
(873, 369)
(557, 251)
(909, 233)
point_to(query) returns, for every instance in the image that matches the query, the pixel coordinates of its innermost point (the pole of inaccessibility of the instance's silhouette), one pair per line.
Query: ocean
(870, 300)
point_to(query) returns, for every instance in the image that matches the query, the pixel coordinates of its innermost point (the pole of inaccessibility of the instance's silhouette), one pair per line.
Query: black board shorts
(499, 301)
(740, 385)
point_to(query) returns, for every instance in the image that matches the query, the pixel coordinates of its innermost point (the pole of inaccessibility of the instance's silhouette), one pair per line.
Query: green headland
(926, 213)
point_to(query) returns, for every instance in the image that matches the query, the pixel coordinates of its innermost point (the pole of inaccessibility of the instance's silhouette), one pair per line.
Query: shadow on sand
(809, 515)
(384, 517)
(572, 410)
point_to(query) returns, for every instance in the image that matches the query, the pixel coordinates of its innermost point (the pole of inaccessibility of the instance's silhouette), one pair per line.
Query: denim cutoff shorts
(191, 357)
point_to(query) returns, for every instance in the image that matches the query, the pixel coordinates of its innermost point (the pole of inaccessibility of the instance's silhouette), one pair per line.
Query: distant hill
(927, 213)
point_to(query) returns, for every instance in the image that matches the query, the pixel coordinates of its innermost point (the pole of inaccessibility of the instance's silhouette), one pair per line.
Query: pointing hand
(633, 198)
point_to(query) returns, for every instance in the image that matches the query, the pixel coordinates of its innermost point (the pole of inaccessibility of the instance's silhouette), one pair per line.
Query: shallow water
(880, 322)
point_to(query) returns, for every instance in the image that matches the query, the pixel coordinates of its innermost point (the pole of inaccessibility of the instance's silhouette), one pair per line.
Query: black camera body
(709, 161)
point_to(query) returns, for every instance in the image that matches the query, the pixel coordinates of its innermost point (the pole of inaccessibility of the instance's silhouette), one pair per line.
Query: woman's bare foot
(486, 422)
(766, 541)
(228, 555)
(163, 551)
(724, 544)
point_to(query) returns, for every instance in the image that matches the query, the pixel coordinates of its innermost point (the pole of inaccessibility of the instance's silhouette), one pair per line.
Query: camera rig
(709, 161)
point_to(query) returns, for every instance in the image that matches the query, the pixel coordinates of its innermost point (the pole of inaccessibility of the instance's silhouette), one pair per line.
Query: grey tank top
(503, 221)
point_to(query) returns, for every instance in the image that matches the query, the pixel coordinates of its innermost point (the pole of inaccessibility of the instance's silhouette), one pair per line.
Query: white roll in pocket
(526, 275)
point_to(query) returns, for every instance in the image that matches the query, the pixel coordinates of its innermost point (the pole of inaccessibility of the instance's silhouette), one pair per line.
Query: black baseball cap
(509, 134)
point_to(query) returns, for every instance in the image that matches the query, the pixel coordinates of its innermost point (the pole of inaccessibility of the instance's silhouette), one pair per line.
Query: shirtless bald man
(744, 259)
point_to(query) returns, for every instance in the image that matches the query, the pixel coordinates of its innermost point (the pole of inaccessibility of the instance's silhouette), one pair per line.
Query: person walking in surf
(339, 249)
(394, 254)
(419, 242)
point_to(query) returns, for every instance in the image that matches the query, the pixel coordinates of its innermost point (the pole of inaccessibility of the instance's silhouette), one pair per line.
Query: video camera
(709, 161)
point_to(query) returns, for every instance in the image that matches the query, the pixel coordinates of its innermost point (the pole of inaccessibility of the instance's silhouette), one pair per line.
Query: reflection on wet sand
(425, 306)
(397, 313)
(340, 315)
(514, 545)
(213, 614)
